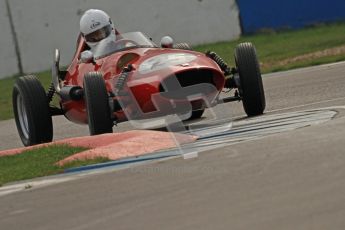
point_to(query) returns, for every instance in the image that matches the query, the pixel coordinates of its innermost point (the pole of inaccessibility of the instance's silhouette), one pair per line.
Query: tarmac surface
(286, 176)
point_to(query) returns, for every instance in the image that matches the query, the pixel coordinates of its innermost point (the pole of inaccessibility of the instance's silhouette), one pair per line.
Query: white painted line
(190, 155)
(304, 69)
(314, 103)
(57, 179)
(263, 126)
(28, 185)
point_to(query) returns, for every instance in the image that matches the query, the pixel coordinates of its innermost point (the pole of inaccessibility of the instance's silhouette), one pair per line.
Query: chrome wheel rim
(22, 116)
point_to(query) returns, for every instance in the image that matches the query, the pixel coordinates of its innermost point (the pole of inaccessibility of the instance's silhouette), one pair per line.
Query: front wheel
(251, 87)
(31, 111)
(97, 104)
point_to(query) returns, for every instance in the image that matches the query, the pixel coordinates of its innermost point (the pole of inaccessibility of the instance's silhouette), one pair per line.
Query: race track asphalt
(288, 180)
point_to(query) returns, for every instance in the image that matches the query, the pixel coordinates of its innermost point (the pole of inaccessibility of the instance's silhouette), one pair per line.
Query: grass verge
(276, 50)
(39, 162)
(298, 48)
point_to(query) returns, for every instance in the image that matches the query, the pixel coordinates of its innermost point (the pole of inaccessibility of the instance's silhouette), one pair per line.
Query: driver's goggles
(98, 35)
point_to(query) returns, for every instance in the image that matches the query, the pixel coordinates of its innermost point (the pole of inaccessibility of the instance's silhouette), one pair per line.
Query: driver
(95, 26)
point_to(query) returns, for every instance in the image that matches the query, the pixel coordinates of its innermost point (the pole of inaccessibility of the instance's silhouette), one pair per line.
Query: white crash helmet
(95, 26)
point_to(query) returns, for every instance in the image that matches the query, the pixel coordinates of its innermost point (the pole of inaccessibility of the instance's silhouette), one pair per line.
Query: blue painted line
(132, 160)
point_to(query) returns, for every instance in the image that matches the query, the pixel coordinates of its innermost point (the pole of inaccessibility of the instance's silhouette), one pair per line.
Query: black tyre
(97, 104)
(251, 88)
(31, 111)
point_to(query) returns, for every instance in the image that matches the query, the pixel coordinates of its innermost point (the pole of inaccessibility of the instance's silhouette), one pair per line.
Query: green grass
(276, 46)
(272, 48)
(39, 162)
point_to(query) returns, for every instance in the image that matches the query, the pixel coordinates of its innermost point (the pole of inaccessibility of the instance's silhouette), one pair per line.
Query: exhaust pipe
(72, 92)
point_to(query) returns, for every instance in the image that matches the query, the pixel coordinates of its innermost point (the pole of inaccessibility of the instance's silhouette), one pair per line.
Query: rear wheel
(251, 88)
(97, 104)
(31, 111)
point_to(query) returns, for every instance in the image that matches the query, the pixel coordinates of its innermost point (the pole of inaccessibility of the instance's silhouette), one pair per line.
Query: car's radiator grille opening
(188, 78)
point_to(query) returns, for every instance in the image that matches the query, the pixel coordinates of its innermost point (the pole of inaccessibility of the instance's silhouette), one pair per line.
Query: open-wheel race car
(133, 78)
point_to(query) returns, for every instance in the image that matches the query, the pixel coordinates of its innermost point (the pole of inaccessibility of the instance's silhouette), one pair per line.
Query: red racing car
(134, 79)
